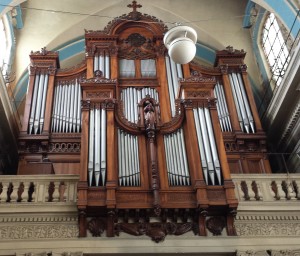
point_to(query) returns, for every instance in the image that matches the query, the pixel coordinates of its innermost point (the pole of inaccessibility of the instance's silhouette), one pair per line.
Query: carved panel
(64, 147)
(98, 95)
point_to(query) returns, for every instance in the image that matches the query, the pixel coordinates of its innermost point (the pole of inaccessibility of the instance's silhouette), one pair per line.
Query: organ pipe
(222, 108)
(174, 71)
(241, 102)
(207, 146)
(128, 159)
(131, 97)
(102, 63)
(97, 147)
(37, 112)
(176, 160)
(66, 113)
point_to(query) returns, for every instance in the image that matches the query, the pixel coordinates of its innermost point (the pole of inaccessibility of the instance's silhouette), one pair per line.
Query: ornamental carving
(64, 147)
(216, 225)
(155, 230)
(43, 52)
(198, 79)
(135, 40)
(98, 80)
(265, 228)
(198, 94)
(35, 231)
(98, 95)
(97, 226)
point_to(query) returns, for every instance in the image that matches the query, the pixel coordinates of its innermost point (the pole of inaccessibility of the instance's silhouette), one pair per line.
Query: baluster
(62, 192)
(277, 190)
(25, 194)
(3, 195)
(20, 191)
(56, 195)
(296, 188)
(257, 191)
(245, 190)
(14, 192)
(287, 187)
(32, 192)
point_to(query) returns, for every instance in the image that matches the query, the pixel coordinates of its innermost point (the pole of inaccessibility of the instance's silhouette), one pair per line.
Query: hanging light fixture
(180, 42)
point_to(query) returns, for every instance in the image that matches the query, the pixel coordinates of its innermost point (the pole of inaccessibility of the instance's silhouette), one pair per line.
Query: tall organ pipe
(201, 145)
(237, 104)
(222, 108)
(174, 71)
(97, 147)
(37, 112)
(66, 113)
(245, 99)
(128, 157)
(177, 167)
(207, 146)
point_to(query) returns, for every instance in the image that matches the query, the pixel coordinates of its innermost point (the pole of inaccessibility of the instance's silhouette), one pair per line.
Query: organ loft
(154, 142)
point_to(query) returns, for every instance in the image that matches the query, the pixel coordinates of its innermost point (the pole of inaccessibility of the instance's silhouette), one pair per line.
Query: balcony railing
(48, 189)
(266, 188)
(24, 189)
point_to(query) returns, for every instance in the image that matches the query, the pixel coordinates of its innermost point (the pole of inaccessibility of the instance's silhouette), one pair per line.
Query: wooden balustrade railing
(38, 189)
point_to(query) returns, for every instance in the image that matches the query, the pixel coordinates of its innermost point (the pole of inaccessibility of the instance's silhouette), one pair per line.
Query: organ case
(153, 142)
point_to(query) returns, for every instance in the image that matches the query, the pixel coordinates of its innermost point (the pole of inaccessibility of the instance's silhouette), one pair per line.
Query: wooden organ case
(154, 142)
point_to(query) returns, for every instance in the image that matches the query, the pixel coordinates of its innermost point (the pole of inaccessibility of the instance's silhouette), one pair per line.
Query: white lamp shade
(181, 42)
(182, 50)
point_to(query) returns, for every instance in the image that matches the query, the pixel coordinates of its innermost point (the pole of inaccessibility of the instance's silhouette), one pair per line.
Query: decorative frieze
(39, 231)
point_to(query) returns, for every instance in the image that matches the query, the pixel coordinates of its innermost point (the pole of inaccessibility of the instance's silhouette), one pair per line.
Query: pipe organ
(154, 143)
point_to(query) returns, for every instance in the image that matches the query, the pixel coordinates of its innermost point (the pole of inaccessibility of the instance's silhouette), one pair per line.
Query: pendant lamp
(180, 42)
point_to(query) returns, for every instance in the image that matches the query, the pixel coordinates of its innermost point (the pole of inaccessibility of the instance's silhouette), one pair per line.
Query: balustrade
(38, 189)
(267, 188)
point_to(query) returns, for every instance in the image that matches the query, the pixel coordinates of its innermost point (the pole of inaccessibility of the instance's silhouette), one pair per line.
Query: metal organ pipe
(128, 158)
(245, 99)
(241, 102)
(201, 145)
(131, 97)
(66, 113)
(222, 108)
(207, 146)
(174, 71)
(97, 147)
(37, 112)
(177, 167)
(102, 63)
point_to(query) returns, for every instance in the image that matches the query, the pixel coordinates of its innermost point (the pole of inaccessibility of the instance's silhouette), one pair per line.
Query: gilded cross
(134, 6)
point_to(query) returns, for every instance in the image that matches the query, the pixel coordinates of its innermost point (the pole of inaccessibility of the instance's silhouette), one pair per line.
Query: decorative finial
(134, 6)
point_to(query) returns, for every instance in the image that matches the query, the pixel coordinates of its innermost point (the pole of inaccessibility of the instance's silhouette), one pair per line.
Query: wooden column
(89, 67)
(228, 184)
(114, 64)
(164, 89)
(194, 159)
(112, 157)
(49, 100)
